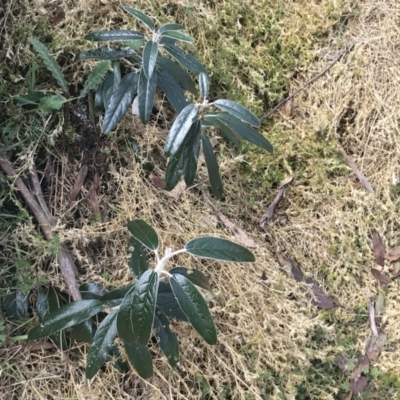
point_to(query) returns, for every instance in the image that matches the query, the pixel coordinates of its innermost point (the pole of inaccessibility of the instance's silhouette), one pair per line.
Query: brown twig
(64, 258)
(309, 82)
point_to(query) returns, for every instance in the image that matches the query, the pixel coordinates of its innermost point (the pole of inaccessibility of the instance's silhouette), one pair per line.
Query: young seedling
(136, 312)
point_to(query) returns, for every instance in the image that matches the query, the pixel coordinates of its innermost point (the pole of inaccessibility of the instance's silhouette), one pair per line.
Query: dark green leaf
(144, 306)
(175, 169)
(219, 249)
(212, 167)
(167, 340)
(114, 36)
(238, 111)
(166, 40)
(203, 84)
(144, 233)
(172, 90)
(174, 34)
(98, 104)
(120, 101)
(138, 262)
(114, 297)
(91, 290)
(124, 317)
(245, 131)
(95, 77)
(30, 98)
(141, 16)
(83, 332)
(180, 128)
(146, 92)
(140, 358)
(108, 88)
(185, 59)
(171, 27)
(149, 56)
(167, 303)
(191, 152)
(102, 342)
(66, 316)
(50, 63)
(16, 305)
(180, 75)
(106, 53)
(211, 120)
(195, 308)
(194, 275)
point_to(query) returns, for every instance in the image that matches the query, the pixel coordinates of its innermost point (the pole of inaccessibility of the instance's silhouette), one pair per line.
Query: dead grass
(267, 344)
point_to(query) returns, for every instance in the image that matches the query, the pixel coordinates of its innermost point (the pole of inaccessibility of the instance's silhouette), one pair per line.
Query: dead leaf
(380, 304)
(375, 347)
(156, 181)
(372, 322)
(393, 254)
(286, 109)
(357, 386)
(264, 276)
(382, 279)
(240, 234)
(58, 17)
(271, 209)
(362, 365)
(378, 248)
(395, 270)
(79, 181)
(318, 297)
(177, 191)
(93, 197)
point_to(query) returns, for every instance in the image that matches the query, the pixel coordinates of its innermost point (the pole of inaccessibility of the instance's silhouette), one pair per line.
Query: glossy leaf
(138, 262)
(175, 169)
(167, 340)
(124, 317)
(176, 72)
(174, 34)
(195, 307)
(212, 120)
(95, 77)
(102, 342)
(172, 90)
(170, 27)
(91, 290)
(149, 57)
(185, 59)
(139, 357)
(120, 101)
(144, 233)
(68, 315)
(141, 16)
(219, 249)
(212, 167)
(203, 84)
(116, 295)
(106, 53)
(191, 152)
(167, 303)
(146, 92)
(50, 63)
(245, 131)
(194, 275)
(114, 36)
(83, 332)
(108, 88)
(98, 103)
(238, 111)
(180, 129)
(16, 305)
(144, 305)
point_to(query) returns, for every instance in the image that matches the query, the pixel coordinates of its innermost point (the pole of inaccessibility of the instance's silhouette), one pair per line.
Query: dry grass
(267, 344)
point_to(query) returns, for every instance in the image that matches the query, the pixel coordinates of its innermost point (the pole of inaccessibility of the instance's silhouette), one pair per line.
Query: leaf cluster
(139, 311)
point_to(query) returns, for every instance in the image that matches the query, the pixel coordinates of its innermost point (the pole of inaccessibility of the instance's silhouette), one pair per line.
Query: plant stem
(163, 262)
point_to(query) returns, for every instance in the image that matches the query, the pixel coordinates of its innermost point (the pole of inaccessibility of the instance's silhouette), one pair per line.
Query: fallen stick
(64, 258)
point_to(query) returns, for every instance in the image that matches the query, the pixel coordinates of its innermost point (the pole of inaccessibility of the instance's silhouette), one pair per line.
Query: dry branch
(64, 258)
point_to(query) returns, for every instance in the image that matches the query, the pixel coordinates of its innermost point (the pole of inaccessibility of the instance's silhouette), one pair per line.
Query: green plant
(134, 311)
(151, 70)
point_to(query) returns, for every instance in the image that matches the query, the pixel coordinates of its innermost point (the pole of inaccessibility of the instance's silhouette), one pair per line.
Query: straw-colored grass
(272, 343)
